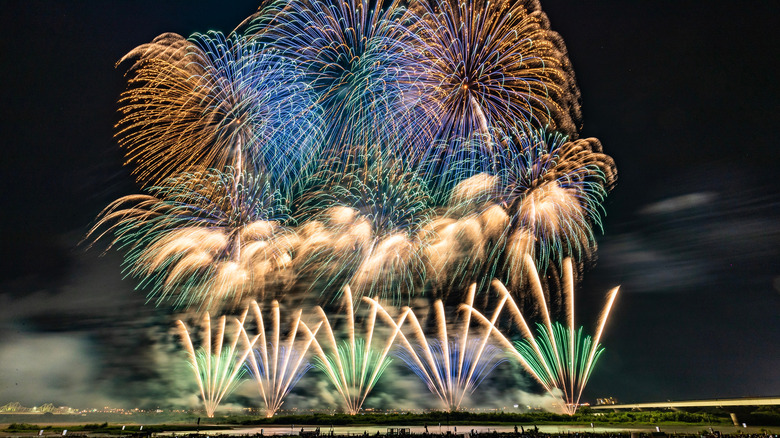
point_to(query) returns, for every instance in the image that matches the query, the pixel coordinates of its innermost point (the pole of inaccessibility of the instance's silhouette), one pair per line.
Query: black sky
(683, 95)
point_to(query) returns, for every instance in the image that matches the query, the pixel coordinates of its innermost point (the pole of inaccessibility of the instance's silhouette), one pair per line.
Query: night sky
(683, 95)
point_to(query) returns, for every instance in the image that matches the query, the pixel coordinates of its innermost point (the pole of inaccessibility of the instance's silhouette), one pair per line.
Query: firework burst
(489, 64)
(204, 239)
(367, 228)
(538, 194)
(357, 55)
(213, 101)
(554, 198)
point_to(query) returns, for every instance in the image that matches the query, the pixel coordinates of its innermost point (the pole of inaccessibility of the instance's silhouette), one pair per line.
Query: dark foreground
(403, 433)
(712, 423)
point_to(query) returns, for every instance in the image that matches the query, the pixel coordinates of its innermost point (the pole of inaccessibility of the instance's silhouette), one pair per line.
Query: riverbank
(373, 423)
(426, 431)
(436, 430)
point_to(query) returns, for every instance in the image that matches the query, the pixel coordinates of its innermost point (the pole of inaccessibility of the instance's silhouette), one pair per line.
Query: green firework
(559, 362)
(218, 366)
(354, 370)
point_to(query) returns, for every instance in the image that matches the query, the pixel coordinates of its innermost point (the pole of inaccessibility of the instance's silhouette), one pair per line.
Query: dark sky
(683, 95)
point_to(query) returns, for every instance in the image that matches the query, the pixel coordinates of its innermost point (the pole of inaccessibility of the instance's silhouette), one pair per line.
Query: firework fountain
(451, 365)
(353, 365)
(275, 365)
(559, 358)
(218, 368)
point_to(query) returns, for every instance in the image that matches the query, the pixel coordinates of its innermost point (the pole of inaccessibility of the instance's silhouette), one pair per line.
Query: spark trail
(218, 369)
(353, 365)
(276, 365)
(451, 366)
(560, 358)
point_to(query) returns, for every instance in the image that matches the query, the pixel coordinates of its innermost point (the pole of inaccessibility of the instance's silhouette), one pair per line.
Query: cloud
(639, 266)
(679, 203)
(91, 340)
(701, 239)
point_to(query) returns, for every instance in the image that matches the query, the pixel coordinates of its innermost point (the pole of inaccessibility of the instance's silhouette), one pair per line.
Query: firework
(213, 101)
(554, 198)
(555, 359)
(539, 194)
(465, 249)
(354, 364)
(489, 64)
(559, 358)
(275, 365)
(218, 370)
(366, 229)
(206, 239)
(357, 56)
(363, 148)
(451, 366)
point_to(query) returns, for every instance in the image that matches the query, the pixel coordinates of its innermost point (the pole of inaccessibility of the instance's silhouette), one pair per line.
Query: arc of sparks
(559, 357)
(217, 370)
(277, 365)
(353, 365)
(450, 365)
